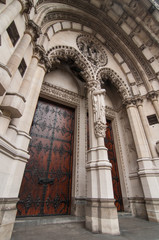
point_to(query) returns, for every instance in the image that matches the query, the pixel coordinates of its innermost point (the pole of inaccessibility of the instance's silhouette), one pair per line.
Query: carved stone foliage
(106, 73)
(92, 50)
(68, 55)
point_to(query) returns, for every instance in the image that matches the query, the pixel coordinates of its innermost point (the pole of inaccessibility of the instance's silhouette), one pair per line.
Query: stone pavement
(72, 228)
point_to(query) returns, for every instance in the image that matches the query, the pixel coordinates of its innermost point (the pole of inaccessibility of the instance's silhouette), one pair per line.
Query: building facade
(79, 110)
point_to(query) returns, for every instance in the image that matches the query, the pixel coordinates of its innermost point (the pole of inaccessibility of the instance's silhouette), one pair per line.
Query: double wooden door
(46, 185)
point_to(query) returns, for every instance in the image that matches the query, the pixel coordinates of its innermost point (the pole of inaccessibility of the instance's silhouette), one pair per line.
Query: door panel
(109, 143)
(46, 186)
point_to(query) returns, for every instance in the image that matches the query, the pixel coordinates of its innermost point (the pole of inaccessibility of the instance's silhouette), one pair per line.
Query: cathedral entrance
(109, 143)
(46, 185)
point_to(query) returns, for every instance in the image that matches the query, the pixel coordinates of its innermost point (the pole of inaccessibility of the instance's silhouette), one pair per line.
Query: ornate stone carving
(152, 95)
(26, 5)
(92, 50)
(59, 93)
(111, 43)
(69, 55)
(33, 29)
(93, 85)
(38, 51)
(134, 101)
(107, 73)
(99, 112)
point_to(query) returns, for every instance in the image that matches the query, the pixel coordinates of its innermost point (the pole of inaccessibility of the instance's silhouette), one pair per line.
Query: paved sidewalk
(131, 228)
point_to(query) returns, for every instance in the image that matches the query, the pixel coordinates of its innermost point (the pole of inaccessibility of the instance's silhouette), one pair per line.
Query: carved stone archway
(68, 55)
(123, 88)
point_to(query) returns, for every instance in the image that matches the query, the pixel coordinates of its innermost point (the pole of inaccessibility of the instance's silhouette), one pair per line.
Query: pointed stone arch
(123, 88)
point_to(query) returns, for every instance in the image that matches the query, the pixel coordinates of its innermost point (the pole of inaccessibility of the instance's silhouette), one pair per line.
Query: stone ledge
(14, 103)
(5, 78)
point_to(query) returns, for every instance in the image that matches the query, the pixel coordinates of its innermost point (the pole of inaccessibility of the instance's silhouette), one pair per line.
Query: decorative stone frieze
(33, 30)
(59, 93)
(92, 50)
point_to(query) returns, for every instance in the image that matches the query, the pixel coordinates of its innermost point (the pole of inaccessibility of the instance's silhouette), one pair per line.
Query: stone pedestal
(152, 206)
(101, 216)
(7, 217)
(138, 207)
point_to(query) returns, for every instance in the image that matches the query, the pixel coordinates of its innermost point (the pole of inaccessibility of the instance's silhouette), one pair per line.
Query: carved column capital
(33, 30)
(26, 5)
(44, 62)
(38, 51)
(139, 101)
(93, 85)
(152, 95)
(129, 102)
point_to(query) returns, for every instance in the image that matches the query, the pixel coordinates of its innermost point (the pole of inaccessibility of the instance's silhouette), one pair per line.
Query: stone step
(35, 221)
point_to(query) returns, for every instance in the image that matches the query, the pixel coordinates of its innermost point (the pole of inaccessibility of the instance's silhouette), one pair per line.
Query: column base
(152, 206)
(138, 207)
(101, 216)
(7, 217)
(78, 207)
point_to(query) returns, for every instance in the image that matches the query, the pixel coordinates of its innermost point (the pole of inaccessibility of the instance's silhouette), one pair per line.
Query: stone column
(153, 96)
(101, 213)
(9, 14)
(25, 86)
(24, 123)
(146, 127)
(147, 172)
(32, 33)
(14, 157)
(14, 102)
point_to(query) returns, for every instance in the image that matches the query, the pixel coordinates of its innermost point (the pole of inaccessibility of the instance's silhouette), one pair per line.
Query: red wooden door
(46, 185)
(109, 143)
